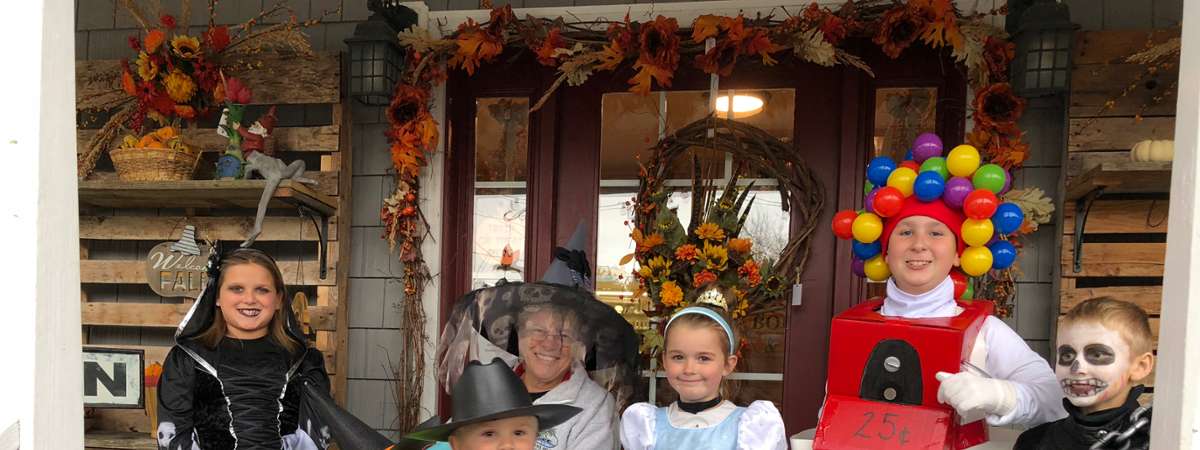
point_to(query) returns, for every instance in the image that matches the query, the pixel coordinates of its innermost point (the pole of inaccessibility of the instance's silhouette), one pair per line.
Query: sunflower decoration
(147, 66)
(180, 80)
(671, 294)
(180, 87)
(172, 77)
(186, 47)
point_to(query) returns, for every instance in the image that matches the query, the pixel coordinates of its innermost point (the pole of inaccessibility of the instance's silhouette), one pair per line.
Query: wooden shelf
(200, 194)
(169, 315)
(115, 440)
(1122, 178)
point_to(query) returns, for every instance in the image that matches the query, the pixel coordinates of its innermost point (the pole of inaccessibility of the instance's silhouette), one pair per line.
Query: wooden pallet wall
(1124, 244)
(298, 83)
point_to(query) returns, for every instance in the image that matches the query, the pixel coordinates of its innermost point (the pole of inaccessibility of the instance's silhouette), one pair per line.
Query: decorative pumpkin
(1153, 150)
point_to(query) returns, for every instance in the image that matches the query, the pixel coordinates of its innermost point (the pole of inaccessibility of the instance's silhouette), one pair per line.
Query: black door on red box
(517, 183)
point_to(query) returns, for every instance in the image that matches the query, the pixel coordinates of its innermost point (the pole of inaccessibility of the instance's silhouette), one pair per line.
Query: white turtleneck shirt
(998, 349)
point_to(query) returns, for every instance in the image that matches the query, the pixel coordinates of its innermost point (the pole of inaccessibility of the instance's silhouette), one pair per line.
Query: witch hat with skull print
(484, 323)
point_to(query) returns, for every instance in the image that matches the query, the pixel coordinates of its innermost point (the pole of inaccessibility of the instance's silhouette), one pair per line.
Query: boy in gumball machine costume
(926, 367)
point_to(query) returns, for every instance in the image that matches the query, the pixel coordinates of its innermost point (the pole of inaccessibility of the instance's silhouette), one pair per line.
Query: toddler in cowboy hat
(492, 411)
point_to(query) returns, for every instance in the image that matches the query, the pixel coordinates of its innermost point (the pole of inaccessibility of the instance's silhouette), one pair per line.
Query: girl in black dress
(239, 371)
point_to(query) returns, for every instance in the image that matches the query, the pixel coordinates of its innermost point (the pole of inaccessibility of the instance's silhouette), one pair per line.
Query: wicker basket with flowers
(159, 155)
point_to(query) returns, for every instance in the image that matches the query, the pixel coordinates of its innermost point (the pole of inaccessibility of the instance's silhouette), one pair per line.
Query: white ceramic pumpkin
(1153, 150)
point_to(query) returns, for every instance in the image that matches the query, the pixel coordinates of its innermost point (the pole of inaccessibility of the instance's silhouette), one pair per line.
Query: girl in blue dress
(699, 346)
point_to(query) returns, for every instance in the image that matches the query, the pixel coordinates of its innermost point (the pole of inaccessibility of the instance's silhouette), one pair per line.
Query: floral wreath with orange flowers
(678, 265)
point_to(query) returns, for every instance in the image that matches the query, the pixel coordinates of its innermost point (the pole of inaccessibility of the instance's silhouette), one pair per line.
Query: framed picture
(113, 378)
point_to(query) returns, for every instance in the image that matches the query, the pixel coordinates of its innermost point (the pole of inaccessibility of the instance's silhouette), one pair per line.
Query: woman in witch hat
(549, 332)
(240, 367)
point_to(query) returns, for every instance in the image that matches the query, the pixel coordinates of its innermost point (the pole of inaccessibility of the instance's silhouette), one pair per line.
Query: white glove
(975, 397)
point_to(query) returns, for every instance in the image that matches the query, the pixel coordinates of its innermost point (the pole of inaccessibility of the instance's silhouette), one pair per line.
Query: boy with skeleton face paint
(1103, 346)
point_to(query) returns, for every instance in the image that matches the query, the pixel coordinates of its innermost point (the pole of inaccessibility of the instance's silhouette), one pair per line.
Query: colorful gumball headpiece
(955, 190)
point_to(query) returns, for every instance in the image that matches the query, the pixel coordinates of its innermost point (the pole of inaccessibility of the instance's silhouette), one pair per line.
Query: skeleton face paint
(1093, 366)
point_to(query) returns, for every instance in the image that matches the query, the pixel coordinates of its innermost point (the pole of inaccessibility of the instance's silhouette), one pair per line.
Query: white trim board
(432, 188)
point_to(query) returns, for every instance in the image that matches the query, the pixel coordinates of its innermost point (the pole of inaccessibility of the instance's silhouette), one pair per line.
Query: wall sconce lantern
(1042, 64)
(376, 60)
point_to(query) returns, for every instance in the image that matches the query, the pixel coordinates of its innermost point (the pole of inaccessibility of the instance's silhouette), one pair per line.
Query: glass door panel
(501, 189)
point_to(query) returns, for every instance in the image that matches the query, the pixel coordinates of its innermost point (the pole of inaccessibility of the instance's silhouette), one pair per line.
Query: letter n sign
(113, 378)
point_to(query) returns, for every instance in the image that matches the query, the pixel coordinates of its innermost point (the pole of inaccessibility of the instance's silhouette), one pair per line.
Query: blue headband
(709, 314)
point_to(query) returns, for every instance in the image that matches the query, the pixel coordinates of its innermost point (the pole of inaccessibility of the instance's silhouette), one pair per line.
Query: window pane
(1032, 59)
(1045, 79)
(900, 115)
(1060, 78)
(501, 184)
(1060, 59)
(1047, 60)
(1048, 40)
(630, 126)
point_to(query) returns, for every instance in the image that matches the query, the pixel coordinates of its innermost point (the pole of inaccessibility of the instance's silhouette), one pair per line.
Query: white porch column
(41, 383)
(1177, 394)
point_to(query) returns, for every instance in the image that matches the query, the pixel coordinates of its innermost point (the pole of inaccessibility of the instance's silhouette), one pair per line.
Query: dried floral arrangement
(677, 265)
(174, 78)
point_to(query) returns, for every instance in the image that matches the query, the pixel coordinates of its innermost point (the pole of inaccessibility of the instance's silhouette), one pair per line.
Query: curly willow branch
(798, 186)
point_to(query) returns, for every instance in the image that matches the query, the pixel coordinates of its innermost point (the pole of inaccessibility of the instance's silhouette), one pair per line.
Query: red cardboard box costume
(920, 369)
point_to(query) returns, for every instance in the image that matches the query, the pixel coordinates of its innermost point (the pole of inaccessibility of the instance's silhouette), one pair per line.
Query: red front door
(557, 167)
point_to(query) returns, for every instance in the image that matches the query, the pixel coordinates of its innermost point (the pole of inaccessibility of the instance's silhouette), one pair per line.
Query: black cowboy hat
(492, 391)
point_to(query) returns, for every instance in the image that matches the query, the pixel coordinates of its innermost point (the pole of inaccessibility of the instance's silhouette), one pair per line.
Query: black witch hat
(570, 265)
(491, 391)
(483, 323)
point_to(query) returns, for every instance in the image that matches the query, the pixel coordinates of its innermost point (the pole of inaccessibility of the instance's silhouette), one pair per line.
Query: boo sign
(113, 378)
